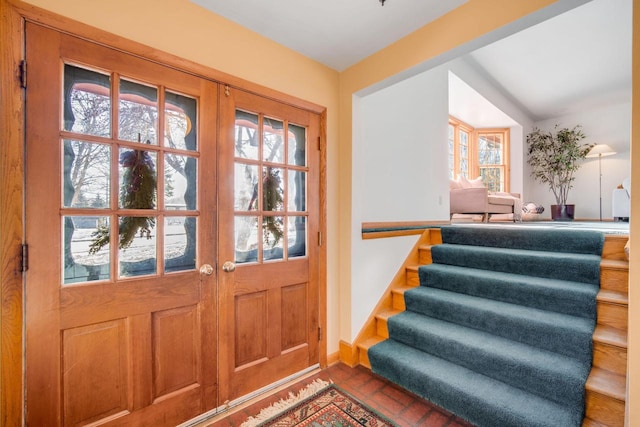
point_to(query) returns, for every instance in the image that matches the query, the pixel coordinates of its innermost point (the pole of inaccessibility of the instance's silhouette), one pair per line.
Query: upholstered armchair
(469, 197)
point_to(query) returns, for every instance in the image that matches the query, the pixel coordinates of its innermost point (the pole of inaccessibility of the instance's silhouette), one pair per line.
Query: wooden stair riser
(398, 300)
(424, 255)
(604, 409)
(381, 328)
(588, 422)
(610, 357)
(364, 359)
(614, 247)
(413, 279)
(614, 315)
(614, 279)
(363, 348)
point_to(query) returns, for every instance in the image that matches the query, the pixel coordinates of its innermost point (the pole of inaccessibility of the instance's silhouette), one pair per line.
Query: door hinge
(319, 238)
(23, 73)
(319, 333)
(319, 144)
(24, 258)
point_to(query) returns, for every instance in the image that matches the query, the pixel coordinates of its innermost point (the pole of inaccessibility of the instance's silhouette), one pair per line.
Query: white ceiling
(337, 33)
(574, 61)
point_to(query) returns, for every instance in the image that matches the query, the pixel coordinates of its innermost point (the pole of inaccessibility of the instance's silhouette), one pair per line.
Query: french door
(268, 254)
(121, 216)
(172, 232)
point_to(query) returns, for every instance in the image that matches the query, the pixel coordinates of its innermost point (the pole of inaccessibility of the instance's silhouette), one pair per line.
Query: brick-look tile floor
(399, 405)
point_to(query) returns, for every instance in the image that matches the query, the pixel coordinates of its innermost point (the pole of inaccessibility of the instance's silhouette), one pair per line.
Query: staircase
(605, 386)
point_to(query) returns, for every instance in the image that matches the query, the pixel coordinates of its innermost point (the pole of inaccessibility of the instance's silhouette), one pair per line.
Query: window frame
(473, 164)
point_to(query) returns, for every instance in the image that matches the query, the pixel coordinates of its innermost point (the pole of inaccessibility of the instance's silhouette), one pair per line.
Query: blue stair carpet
(499, 332)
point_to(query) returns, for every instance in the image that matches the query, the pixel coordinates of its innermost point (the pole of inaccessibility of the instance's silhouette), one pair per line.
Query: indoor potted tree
(554, 158)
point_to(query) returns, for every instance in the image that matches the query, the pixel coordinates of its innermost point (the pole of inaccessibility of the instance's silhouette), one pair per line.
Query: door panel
(269, 199)
(120, 213)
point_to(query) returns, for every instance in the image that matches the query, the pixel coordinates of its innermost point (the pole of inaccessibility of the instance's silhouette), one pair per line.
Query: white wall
(400, 169)
(605, 125)
(399, 174)
(514, 117)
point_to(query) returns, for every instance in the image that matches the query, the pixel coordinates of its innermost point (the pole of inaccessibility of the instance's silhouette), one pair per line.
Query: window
(479, 152)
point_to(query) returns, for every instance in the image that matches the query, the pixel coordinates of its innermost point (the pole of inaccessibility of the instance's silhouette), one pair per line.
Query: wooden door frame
(13, 13)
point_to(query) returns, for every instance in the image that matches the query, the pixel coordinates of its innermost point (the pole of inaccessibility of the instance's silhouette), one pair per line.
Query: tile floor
(404, 408)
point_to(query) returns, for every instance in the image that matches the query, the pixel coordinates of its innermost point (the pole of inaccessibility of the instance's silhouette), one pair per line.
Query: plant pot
(562, 212)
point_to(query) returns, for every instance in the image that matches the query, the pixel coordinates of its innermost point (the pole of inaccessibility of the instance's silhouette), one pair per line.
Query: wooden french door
(121, 230)
(268, 253)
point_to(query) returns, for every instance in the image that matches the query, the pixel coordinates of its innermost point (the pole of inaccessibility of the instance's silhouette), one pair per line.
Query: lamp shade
(600, 150)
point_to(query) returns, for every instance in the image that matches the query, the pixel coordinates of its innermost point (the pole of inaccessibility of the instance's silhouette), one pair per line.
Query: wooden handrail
(378, 230)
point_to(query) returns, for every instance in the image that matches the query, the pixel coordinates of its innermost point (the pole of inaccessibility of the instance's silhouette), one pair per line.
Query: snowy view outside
(89, 167)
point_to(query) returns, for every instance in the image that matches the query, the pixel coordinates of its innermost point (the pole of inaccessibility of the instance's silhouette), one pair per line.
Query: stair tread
(387, 313)
(570, 297)
(500, 307)
(562, 333)
(549, 374)
(570, 240)
(402, 289)
(614, 264)
(607, 383)
(507, 276)
(588, 422)
(473, 396)
(613, 297)
(469, 337)
(610, 335)
(560, 265)
(370, 342)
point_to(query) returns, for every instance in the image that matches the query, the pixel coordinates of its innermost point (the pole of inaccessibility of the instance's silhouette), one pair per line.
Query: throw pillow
(471, 183)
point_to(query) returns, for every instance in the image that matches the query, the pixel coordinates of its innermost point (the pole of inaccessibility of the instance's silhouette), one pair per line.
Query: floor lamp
(600, 151)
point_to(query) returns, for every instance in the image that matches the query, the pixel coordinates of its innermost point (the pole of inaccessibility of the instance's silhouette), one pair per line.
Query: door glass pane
(137, 247)
(297, 236)
(273, 233)
(273, 141)
(297, 146)
(277, 193)
(273, 189)
(137, 179)
(246, 238)
(86, 174)
(87, 102)
(180, 174)
(180, 122)
(246, 187)
(83, 261)
(246, 135)
(179, 243)
(296, 197)
(138, 112)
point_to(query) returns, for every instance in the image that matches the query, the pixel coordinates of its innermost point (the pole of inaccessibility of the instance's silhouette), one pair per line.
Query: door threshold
(248, 399)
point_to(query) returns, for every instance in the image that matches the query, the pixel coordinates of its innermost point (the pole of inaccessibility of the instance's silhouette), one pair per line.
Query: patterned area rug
(328, 407)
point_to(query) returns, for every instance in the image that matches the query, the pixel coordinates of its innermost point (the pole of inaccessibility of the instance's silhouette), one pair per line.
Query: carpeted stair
(499, 332)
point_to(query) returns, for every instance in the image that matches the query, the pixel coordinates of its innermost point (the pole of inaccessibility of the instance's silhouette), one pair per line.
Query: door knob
(206, 269)
(228, 267)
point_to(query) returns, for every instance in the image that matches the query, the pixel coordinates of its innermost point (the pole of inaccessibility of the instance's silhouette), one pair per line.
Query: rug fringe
(284, 404)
